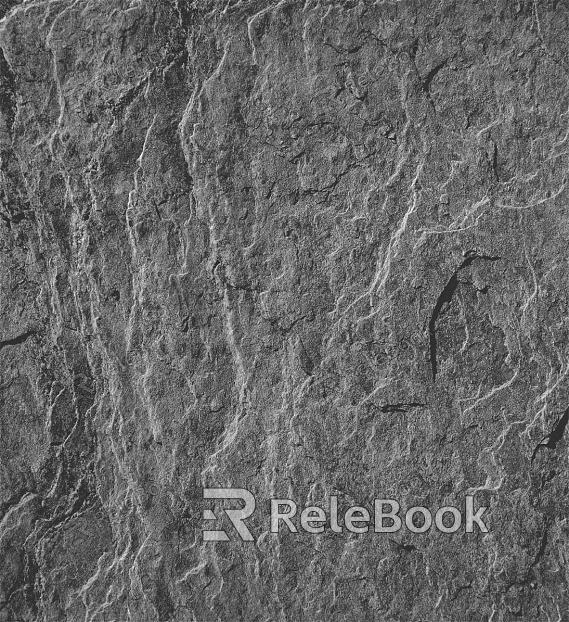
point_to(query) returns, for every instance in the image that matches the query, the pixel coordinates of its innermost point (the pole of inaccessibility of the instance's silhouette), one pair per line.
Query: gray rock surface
(308, 249)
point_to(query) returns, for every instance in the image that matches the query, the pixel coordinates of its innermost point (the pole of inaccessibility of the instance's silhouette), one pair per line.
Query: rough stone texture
(310, 250)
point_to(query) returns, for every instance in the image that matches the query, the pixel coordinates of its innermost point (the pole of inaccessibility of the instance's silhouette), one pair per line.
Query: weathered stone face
(310, 250)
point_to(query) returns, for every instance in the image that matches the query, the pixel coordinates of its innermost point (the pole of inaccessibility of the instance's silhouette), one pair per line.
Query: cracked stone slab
(309, 249)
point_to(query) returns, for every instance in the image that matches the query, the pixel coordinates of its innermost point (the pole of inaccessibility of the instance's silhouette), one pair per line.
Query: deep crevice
(445, 297)
(17, 340)
(400, 407)
(550, 440)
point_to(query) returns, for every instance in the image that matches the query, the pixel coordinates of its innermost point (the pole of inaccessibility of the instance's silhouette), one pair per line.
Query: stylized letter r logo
(235, 516)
